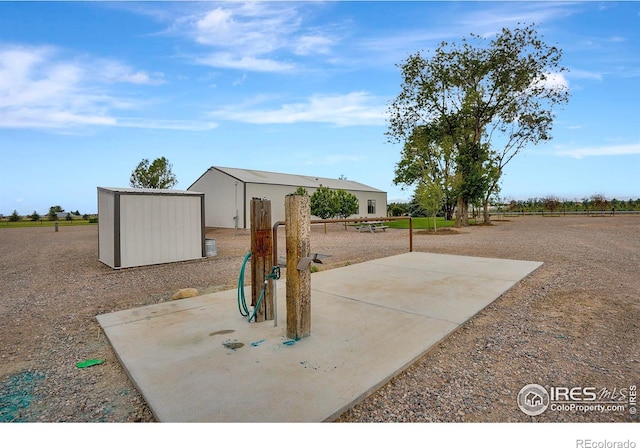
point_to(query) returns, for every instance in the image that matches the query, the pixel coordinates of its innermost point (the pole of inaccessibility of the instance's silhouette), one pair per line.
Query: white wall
(276, 194)
(106, 240)
(223, 199)
(159, 229)
(224, 195)
(143, 228)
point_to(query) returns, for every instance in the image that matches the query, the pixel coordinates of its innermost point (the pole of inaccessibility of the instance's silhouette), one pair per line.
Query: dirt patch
(573, 322)
(443, 231)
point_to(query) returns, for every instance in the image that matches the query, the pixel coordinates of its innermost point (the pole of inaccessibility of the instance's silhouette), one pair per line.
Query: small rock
(185, 293)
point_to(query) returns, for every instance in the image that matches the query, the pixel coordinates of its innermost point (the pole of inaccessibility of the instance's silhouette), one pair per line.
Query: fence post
(297, 210)
(261, 255)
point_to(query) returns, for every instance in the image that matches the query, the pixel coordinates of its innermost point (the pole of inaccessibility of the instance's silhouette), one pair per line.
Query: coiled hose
(242, 303)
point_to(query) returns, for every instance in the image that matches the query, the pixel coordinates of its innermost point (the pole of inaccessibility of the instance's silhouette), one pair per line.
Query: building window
(371, 206)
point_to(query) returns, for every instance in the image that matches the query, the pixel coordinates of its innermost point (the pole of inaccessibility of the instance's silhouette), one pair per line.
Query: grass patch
(44, 223)
(420, 223)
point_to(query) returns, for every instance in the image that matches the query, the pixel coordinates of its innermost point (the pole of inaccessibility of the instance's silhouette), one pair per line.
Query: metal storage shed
(228, 193)
(138, 226)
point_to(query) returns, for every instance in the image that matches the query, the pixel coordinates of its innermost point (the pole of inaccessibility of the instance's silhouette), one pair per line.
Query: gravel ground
(572, 323)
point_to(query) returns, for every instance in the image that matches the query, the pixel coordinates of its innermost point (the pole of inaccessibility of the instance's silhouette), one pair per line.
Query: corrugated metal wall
(143, 228)
(159, 229)
(224, 200)
(276, 194)
(226, 196)
(106, 243)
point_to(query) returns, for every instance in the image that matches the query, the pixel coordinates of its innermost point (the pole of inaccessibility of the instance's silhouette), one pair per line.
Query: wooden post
(261, 254)
(298, 229)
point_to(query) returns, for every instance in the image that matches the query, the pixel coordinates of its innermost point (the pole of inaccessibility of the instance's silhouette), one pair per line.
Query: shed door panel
(160, 229)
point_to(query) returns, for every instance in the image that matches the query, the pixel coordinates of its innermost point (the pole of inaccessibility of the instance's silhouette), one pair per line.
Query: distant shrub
(15, 217)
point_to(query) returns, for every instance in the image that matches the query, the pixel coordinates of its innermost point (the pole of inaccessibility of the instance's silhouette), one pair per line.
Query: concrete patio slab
(198, 360)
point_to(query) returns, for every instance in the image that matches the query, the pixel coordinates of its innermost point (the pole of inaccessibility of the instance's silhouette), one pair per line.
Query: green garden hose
(242, 303)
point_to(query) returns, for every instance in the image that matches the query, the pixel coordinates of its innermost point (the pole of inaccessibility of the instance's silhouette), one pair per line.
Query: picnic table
(371, 226)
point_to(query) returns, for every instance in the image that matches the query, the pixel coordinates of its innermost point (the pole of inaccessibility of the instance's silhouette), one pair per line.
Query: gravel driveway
(572, 323)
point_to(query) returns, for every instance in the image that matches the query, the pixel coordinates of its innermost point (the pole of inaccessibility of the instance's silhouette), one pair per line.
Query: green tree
(158, 174)
(415, 209)
(53, 212)
(430, 196)
(424, 160)
(301, 191)
(347, 204)
(599, 202)
(551, 203)
(14, 217)
(324, 203)
(398, 208)
(475, 93)
(35, 216)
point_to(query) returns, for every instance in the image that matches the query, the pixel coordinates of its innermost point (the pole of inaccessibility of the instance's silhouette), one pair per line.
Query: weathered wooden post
(261, 254)
(298, 229)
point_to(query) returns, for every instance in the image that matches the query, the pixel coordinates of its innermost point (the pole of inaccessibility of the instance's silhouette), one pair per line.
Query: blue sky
(89, 89)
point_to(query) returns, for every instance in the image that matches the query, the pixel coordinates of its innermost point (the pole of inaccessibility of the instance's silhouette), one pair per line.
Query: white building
(139, 226)
(228, 193)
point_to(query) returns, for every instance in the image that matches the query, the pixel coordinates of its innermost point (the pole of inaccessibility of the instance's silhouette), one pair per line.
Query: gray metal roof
(294, 180)
(149, 191)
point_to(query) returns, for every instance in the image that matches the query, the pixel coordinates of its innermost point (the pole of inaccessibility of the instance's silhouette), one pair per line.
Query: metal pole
(410, 234)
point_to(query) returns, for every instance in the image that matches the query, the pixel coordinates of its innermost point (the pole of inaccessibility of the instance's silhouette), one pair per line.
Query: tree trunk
(486, 216)
(462, 213)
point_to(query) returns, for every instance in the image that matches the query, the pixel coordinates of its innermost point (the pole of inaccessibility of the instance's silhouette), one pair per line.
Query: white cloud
(254, 36)
(176, 125)
(311, 44)
(352, 109)
(491, 19)
(38, 91)
(41, 89)
(116, 72)
(250, 63)
(613, 150)
(553, 81)
(249, 28)
(585, 74)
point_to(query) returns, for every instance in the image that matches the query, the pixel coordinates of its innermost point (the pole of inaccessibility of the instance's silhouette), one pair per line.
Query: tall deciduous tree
(157, 174)
(487, 99)
(422, 160)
